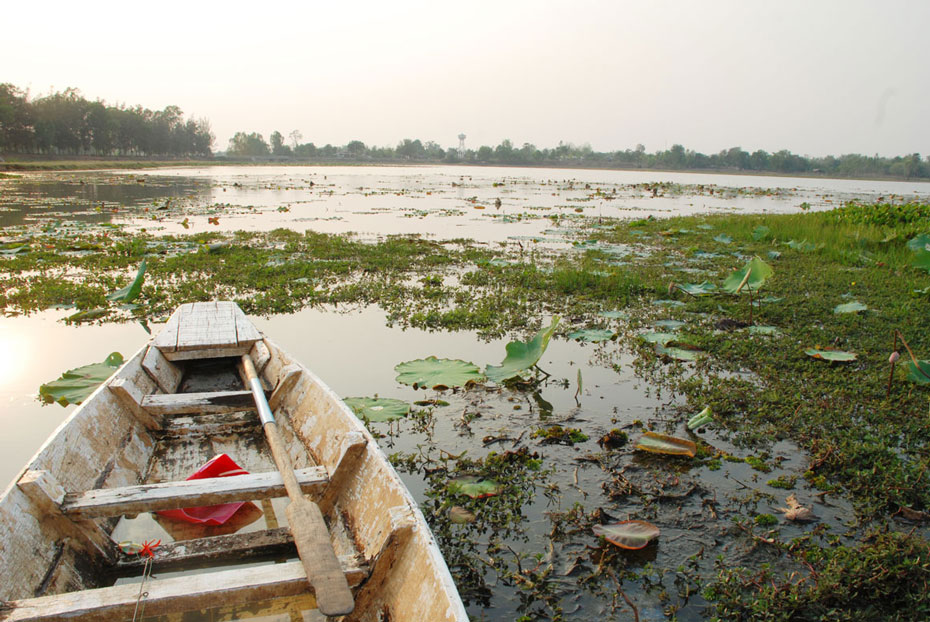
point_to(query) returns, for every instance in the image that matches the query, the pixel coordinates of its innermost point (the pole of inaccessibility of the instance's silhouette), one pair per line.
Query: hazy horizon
(817, 79)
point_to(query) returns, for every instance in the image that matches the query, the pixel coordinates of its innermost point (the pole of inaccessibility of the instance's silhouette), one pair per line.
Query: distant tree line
(67, 124)
(506, 153)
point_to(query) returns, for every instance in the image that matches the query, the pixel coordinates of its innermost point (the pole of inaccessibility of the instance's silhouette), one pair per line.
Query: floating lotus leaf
(522, 355)
(678, 354)
(629, 534)
(827, 354)
(761, 232)
(850, 307)
(723, 239)
(772, 299)
(659, 338)
(763, 330)
(377, 409)
(697, 289)
(615, 315)
(664, 444)
(14, 250)
(474, 487)
(669, 324)
(921, 374)
(919, 243)
(86, 315)
(773, 254)
(592, 335)
(705, 227)
(705, 254)
(751, 276)
(131, 291)
(668, 303)
(921, 260)
(433, 372)
(75, 385)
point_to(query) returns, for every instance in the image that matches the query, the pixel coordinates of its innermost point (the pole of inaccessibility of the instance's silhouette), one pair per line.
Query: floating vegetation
(656, 443)
(630, 534)
(522, 355)
(76, 385)
(829, 354)
(377, 409)
(436, 373)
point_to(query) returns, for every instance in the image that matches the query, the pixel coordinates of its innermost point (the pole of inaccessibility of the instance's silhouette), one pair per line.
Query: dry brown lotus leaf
(797, 512)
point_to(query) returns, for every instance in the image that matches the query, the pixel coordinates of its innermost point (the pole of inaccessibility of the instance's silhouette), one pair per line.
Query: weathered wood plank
(212, 424)
(167, 339)
(166, 374)
(260, 356)
(288, 378)
(190, 403)
(200, 551)
(132, 398)
(194, 592)
(208, 325)
(246, 333)
(47, 495)
(353, 453)
(189, 493)
(206, 353)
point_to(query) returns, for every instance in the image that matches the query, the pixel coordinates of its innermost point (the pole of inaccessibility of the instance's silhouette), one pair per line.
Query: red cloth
(219, 466)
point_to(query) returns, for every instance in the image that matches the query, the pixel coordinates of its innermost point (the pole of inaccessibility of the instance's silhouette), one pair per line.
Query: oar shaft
(304, 518)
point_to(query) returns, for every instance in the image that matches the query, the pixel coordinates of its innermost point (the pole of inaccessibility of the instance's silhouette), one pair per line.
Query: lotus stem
(893, 359)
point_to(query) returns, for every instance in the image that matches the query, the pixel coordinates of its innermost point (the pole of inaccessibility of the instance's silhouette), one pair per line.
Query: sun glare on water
(15, 355)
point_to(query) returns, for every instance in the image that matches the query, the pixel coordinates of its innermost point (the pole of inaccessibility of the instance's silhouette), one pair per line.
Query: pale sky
(814, 77)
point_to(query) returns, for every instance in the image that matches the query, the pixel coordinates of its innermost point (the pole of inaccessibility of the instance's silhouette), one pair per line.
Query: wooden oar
(324, 572)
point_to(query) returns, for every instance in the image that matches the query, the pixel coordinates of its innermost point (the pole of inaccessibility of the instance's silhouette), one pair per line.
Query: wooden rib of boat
(126, 453)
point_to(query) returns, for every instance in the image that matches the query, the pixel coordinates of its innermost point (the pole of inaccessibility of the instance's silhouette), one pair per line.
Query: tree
(278, 147)
(356, 148)
(243, 144)
(295, 137)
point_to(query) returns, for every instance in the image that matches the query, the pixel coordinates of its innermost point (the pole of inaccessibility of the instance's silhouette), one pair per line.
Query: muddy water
(355, 351)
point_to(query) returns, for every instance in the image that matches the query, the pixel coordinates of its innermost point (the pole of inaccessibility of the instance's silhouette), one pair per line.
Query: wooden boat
(126, 452)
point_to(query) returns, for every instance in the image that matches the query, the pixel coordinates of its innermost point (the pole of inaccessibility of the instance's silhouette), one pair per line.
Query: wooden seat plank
(208, 326)
(246, 333)
(104, 502)
(174, 595)
(200, 551)
(167, 338)
(190, 403)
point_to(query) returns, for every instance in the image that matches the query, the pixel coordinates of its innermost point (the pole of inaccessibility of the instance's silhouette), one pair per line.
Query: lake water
(355, 351)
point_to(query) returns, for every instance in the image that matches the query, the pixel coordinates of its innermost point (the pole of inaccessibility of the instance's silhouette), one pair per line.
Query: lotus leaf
(921, 260)
(615, 315)
(522, 355)
(461, 516)
(772, 299)
(804, 246)
(131, 291)
(774, 254)
(474, 487)
(751, 276)
(850, 307)
(630, 534)
(659, 338)
(377, 409)
(919, 373)
(723, 239)
(668, 303)
(664, 444)
(697, 289)
(763, 330)
(761, 232)
(678, 354)
(827, 354)
(593, 335)
(669, 324)
(87, 314)
(705, 227)
(75, 385)
(919, 243)
(433, 372)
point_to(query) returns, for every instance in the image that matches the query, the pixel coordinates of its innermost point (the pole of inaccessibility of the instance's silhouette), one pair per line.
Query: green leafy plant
(75, 385)
(378, 409)
(131, 291)
(437, 373)
(522, 355)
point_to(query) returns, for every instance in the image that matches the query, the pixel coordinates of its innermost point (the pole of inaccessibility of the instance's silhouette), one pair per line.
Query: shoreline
(93, 164)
